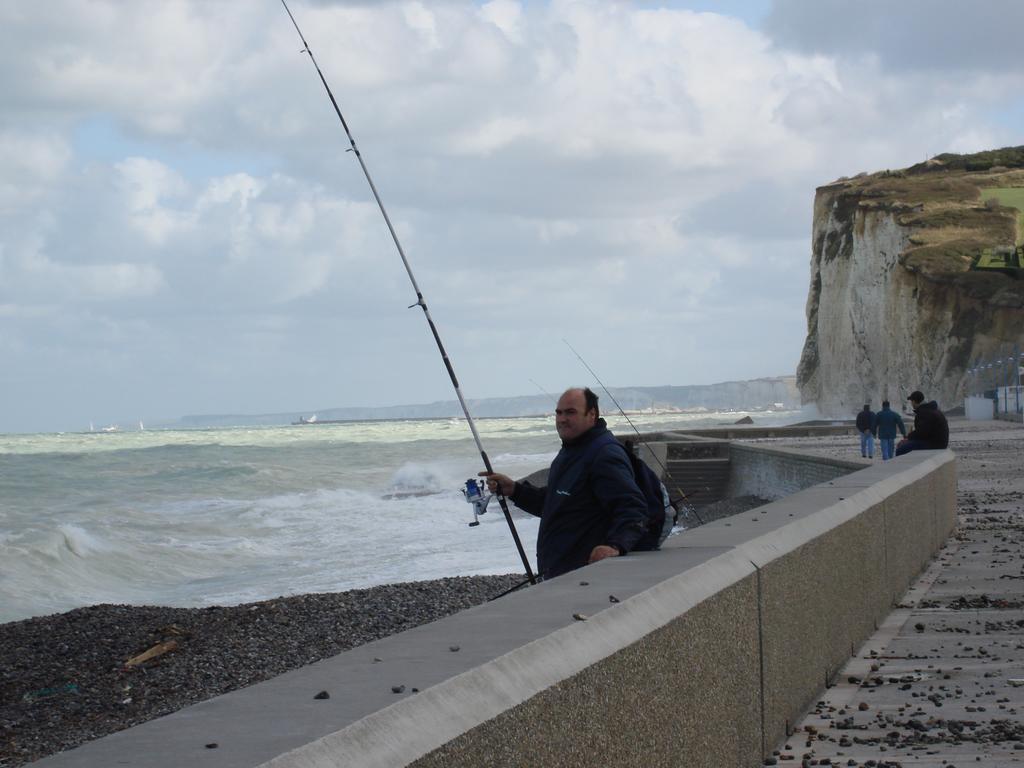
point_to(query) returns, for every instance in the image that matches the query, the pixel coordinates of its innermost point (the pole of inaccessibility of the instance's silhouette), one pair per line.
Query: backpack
(661, 514)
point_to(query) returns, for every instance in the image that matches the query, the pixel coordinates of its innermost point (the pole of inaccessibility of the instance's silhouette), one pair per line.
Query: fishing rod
(550, 396)
(682, 496)
(420, 302)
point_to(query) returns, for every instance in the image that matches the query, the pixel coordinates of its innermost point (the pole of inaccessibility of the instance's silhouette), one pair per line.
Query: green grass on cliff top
(1007, 157)
(942, 201)
(1012, 197)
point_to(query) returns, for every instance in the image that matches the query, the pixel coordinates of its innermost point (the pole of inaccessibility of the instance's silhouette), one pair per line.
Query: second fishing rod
(420, 301)
(683, 498)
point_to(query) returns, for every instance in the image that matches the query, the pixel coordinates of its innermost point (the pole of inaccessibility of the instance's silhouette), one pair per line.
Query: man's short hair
(591, 399)
(916, 397)
(885, 403)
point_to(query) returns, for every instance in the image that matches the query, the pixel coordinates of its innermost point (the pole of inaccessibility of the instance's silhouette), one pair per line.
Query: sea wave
(524, 458)
(416, 477)
(221, 550)
(79, 542)
(209, 517)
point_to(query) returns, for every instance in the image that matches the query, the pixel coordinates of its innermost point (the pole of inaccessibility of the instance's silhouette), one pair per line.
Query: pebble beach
(68, 678)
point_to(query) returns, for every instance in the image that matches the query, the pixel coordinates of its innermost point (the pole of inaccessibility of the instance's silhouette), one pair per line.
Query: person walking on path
(866, 427)
(591, 507)
(931, 430)
(887, 421)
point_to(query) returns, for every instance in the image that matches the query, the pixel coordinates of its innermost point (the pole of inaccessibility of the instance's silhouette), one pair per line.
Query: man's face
(915, 405)
(572, 418)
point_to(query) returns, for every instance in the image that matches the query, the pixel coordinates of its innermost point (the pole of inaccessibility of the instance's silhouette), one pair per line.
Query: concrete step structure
(704, 481)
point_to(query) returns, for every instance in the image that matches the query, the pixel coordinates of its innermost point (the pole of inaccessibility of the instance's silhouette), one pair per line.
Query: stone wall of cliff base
(882, 318)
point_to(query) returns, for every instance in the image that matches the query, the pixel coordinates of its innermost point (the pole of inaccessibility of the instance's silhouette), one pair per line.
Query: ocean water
(225, 516)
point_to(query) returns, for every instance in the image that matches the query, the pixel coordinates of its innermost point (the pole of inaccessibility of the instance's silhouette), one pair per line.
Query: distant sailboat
(142, 428)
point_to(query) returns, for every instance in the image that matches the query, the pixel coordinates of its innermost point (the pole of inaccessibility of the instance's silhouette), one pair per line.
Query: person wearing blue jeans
(887, 422)
(866, 427)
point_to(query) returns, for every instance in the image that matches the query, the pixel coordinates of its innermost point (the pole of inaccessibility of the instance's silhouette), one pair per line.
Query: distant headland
(770, 393)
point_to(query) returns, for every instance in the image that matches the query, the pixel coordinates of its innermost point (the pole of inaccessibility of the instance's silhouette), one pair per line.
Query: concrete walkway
(942, 681)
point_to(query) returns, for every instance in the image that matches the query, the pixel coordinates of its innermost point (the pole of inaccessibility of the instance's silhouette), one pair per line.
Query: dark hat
(916, 396)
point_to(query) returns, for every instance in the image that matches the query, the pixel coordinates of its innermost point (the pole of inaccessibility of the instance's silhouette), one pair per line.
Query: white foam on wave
(342, 540)
(524, 458)
(47, 570)
(79, 542)
(423, 538)
(420, 477)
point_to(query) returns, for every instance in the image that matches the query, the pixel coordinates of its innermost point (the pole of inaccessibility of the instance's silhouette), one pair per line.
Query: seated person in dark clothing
(591, 507)
(931, 430)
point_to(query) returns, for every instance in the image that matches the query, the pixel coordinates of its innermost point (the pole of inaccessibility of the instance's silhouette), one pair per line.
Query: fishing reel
(476, 494)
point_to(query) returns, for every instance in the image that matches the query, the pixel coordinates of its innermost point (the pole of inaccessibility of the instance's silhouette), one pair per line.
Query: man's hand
(601, 551)
(499, 483)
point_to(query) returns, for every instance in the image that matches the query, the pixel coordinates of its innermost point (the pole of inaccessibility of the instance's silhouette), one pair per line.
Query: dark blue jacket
(866, 421)
(591, 498)
(887, 421)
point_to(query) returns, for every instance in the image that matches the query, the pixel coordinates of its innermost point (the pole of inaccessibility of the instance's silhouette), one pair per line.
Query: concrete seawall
(772, 473)
(801, 583)
(703, 654)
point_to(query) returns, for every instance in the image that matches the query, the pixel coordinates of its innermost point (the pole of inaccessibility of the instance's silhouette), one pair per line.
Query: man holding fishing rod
(591, 508)
(594, 509)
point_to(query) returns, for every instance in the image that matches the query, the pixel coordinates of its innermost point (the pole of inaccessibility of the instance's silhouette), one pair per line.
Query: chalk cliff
(895, 303)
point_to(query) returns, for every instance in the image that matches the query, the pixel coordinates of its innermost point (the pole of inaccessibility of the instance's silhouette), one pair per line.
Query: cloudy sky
(182, 230)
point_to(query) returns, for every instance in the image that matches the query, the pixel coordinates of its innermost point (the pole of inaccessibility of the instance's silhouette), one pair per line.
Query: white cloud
(92, 282)
(489, 137)
(928, 36)
(419, 18)
(27, 311)
(147, 182)
(506, 15)
(106, 281)
(549, 230)
(146, 185)
(564, 168)
(29, 162)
